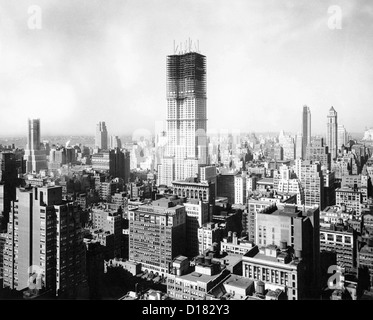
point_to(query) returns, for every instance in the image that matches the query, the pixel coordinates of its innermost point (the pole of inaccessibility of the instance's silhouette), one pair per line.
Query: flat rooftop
(230, 259)
(239, 281)
(274, 260)
(190, 183)
(347, 189)
(265, 181)
(196, 276)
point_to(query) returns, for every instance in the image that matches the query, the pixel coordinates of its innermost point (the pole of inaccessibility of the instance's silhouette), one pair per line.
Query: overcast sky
(105, 60)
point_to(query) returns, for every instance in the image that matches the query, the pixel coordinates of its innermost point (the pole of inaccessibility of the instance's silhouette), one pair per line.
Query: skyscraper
(342, 136)
(115, 142)
(115, 161)
(312, 181)
(8, 182)
(318, 152)
(186, 147)
(44, 236)
(35, 155)
(306, 129)
(332, 133)
(299, 146)
(101, 136)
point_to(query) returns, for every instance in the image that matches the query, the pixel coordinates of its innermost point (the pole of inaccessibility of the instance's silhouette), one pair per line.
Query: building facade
(101, 138)
(44, 237)
(157, 235)
(197, 214)
(186, 147)
(35, 154)
(332, 133)
(306, 129)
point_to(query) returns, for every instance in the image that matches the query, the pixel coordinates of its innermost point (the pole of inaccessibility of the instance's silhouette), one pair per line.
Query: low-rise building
(235, 245)
(133, 267)
(209, 234)
(235, 287)
(332, 214)
(277, 269)
(196, 285)
(350, 197)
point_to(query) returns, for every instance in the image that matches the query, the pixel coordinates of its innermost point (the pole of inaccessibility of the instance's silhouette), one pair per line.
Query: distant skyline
(97, 61)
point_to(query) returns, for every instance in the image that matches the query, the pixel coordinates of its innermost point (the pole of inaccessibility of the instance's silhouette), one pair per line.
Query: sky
(73, 63)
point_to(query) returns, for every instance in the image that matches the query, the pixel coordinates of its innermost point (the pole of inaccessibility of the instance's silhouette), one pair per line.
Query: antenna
(186, 47)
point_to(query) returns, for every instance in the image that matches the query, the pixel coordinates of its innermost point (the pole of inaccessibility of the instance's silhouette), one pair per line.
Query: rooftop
(191, 183)
(196, 276)
(265, 181)
(229, 260)
(239, 281)
(347, 189)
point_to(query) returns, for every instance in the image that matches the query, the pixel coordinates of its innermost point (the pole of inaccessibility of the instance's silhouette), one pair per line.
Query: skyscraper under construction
(186, 148)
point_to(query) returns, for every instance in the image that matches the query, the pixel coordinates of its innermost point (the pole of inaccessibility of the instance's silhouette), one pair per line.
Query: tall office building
(318, 152)
(306, 129)
(115, 161)
(240, 188)
(8, 181)
(332, 133)
(197, 214)
(289, 148)
(299, 146)
(186, 147)
(157, 235)
(44, 236)
(284, 181)
(35, 155)
(101, 139)
(115, 142)
(312, 181)
(279, 228)
(342, 136)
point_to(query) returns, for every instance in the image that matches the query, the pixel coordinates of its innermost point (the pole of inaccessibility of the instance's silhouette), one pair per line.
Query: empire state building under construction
(186, 148)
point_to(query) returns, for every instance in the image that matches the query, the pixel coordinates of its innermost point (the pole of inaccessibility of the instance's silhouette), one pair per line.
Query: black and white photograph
(209, 152)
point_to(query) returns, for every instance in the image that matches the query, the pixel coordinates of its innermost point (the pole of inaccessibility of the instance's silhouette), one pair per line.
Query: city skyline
(229, 166)
(266, 60)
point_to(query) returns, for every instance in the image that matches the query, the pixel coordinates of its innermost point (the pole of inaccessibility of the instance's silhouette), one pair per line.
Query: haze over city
(93, 62)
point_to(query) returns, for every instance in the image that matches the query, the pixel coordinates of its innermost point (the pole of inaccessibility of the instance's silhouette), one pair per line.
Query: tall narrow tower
(186, 147)
(306, 129)
(332, 133)
(101, 140)
(35, 155)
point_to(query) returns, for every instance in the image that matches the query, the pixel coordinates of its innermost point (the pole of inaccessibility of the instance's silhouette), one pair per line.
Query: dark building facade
(9, 168)
(225, 186)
